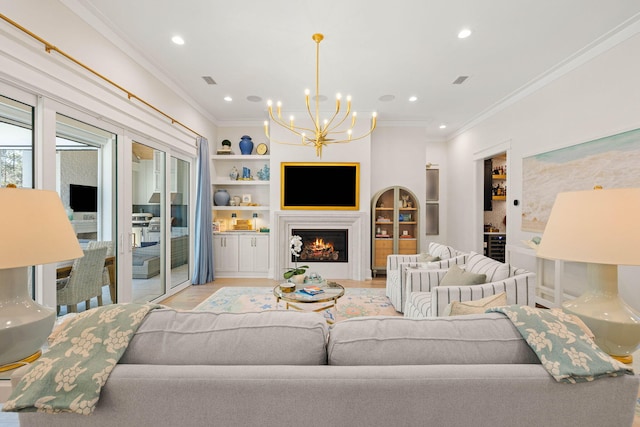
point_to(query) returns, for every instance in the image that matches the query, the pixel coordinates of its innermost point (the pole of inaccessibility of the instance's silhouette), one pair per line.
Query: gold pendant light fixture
(327, 131)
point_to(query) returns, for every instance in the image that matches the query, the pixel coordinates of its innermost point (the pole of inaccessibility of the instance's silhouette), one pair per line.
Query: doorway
(495, 206)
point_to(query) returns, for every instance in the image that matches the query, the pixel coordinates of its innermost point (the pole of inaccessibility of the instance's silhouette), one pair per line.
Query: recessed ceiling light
(443, 126)
(228, 98)
(464, 33)
(413, 98)
(177, 40)
(254, 98)
(387, 98)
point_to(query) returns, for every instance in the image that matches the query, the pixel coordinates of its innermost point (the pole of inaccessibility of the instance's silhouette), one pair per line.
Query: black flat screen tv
(83, 198)
(317, 186)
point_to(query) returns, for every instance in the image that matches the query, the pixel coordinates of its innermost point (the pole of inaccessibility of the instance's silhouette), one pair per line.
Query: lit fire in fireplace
(317, 249)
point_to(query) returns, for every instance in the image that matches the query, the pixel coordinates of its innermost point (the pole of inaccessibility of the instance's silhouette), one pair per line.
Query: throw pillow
(457, 308)
(495, 270)
(425, 257)
(456, 276)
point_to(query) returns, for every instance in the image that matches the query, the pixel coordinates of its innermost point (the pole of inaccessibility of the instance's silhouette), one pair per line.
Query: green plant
(296, 247)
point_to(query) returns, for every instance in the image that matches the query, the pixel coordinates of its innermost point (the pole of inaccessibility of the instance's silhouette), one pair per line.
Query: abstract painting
(611, 162)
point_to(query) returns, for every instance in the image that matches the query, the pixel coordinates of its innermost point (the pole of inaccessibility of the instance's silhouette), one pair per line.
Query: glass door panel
(148, 222)
(180, 226)
(16, 150)
(85, 181)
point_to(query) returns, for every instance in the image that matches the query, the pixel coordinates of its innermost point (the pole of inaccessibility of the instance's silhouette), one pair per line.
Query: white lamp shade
(34, 229)
(595, 226)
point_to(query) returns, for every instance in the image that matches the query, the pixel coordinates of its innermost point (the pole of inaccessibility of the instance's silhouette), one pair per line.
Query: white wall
(398, 157)
(54, 76)
(597, 99)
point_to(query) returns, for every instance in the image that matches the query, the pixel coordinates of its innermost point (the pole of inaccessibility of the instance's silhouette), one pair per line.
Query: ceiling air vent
(460, 80)
(209, 80)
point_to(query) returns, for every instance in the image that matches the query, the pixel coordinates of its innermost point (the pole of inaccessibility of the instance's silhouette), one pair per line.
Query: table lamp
(601, 228)
(34, 229)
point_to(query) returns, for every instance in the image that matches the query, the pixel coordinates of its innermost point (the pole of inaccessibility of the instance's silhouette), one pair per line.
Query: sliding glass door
(86, 183)
(160, 222)
(148, 240)
(180, 212)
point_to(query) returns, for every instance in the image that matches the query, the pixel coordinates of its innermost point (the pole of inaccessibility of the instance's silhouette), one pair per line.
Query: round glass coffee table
(328, 298)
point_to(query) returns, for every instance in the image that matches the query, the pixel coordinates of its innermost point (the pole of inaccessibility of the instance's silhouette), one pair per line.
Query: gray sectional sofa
(146, 260)
(285, 368)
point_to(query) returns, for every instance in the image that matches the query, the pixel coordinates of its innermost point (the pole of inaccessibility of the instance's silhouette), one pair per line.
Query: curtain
(203, 265)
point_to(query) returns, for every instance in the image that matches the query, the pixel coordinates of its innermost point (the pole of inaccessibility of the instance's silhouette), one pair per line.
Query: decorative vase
(246, 144)
(221, 198)
(298, 279)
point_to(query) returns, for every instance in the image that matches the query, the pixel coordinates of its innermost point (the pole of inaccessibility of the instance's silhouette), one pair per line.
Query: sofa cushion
(170, 337)
(473, 339)
(456, 276)
(480, 264)
(457, 308)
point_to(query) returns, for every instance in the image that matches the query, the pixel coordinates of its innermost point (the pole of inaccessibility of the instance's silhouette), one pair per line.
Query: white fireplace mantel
(358, 241)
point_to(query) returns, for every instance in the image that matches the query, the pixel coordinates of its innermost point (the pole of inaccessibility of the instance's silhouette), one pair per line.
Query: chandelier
(325, 132)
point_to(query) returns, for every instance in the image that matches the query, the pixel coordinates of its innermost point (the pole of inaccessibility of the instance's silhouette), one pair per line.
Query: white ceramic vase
(298, 279)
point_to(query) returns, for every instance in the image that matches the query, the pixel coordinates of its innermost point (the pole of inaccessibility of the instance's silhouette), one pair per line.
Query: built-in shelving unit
(394, 223)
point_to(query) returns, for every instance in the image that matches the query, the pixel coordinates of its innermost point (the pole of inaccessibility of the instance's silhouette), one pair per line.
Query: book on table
(312, 290)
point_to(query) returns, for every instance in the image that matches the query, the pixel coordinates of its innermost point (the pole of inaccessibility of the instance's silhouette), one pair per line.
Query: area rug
(356, 302)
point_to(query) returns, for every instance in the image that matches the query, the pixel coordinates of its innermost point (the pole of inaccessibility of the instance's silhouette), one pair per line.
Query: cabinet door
(225, 253)
(254, 253)
(261, 254)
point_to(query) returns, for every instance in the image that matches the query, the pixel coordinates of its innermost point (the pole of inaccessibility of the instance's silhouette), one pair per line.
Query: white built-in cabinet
(241, 254)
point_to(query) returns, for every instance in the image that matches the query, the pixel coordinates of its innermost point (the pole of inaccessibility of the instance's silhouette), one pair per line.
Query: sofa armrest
(395, 259)
(520, 289)
(421, 280)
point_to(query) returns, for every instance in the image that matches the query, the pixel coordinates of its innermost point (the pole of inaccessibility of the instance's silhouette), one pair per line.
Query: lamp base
(20, 363)
(24, 324)
(615, 325)
(627, 360)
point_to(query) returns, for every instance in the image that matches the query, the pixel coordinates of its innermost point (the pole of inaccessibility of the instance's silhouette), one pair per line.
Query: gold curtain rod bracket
(48, 47)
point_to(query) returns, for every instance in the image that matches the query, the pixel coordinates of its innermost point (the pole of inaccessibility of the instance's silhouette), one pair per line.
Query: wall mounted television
(318, 186)
(83, 198)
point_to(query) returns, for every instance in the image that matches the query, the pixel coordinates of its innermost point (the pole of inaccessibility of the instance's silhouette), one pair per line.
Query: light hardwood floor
(195, 294)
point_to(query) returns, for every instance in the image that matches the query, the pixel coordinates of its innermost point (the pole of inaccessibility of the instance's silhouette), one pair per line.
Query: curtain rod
(48, 47)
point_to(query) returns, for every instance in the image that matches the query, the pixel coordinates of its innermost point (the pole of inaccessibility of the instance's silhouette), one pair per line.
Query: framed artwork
(246, 198)
(611, 162)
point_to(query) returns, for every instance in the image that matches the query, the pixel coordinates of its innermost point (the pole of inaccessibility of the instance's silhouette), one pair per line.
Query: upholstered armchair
(398, 264)
(427, 298)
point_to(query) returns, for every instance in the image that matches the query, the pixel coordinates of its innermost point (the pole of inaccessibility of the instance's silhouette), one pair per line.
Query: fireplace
(358, 242)
(323, 245)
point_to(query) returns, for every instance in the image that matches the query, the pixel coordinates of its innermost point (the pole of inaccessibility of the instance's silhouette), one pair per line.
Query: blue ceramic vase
(221, 198)
(246, 144)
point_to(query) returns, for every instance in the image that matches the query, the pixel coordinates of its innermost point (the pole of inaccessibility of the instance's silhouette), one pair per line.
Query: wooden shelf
(503, 177)
(499, 198)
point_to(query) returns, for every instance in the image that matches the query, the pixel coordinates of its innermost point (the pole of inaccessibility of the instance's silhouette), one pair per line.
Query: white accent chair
(426, 298)
(398, 264)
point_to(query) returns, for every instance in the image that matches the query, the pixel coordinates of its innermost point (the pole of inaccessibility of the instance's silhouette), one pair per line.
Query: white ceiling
(372, 48)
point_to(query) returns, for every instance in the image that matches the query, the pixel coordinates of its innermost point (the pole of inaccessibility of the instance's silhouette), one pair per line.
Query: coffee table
(332, 291)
